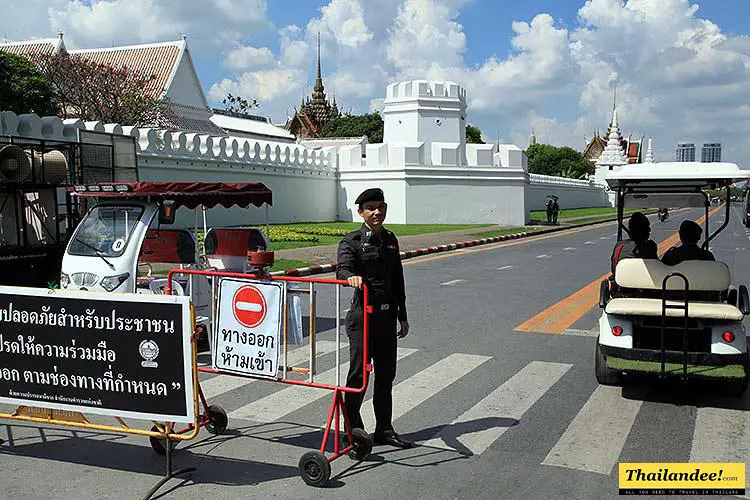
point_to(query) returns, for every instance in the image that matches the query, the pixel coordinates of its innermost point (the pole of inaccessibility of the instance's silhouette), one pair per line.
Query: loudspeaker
(14, 164)
(50, 167)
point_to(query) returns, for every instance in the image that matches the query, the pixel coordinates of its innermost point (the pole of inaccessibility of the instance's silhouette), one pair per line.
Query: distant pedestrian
(555, 211)
(549, 211)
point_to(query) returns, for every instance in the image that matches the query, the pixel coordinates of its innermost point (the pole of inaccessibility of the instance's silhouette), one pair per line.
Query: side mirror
(167, 212)
(743, 301)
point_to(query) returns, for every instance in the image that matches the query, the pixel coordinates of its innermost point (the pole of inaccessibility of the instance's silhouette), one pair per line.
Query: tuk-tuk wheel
(315, 468)
(605, 375)
(159, 445)
(217, 420)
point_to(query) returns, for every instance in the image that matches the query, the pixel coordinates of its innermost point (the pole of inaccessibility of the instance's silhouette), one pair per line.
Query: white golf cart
(121, 234)
(683, 320)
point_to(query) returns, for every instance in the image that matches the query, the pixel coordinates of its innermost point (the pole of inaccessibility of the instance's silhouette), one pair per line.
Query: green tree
(546, 159)
(237, 104)
(23, 88)
(370, 125)
(473, 135)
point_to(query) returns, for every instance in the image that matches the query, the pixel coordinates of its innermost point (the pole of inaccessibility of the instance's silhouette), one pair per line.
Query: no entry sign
(247, 329)
(249, 306)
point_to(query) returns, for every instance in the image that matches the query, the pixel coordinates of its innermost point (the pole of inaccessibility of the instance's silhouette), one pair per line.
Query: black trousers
(382, 351)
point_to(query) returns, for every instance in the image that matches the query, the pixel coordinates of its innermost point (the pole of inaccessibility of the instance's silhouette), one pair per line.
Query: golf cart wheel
(362, 445)
(314, 468)
(159, 444)
(217, 420)
(605, 375)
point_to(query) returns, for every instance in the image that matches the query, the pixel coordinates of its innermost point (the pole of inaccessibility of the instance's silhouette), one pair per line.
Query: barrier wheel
(217, 420)
(362, 445)
(158, 444)
(314, 468)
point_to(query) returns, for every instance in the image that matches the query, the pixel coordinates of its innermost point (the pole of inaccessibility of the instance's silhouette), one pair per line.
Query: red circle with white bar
(249, 306)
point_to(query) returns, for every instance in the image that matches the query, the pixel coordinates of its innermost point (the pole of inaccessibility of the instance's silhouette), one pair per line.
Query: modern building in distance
(711, 152)
(685, 152)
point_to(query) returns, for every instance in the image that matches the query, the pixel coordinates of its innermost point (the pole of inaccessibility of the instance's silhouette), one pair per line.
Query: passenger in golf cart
(684, 319)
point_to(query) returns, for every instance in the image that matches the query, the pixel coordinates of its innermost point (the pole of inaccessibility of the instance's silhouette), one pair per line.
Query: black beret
(372, 194)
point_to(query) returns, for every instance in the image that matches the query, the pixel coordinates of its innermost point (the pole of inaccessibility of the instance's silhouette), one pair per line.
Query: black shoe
(392, 439)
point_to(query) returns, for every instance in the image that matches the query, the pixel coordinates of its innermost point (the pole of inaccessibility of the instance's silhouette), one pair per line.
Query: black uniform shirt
(377, 260)
(684, 252)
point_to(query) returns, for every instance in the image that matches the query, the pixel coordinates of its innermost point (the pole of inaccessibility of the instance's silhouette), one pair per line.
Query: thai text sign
(113, 354)
(246, 338)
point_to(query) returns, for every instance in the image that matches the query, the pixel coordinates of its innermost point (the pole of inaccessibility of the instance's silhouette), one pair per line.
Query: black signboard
(125, 355)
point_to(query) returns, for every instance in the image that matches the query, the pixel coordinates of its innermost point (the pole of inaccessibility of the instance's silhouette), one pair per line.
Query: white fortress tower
(429, 117)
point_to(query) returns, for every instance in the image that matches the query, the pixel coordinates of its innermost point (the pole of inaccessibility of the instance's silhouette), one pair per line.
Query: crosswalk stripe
(420, 387)
(721, 435)
(594, 440)
(510, 400)
(221, 384)
(283, 402)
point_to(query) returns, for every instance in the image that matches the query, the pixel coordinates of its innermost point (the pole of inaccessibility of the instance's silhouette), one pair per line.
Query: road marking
(220, 384)
(418, 388)
(594, 440)
(543, 256)
(470, 434)
(605, 237)
(589, 243)
(285, 401)
(504, 268)
(452, 282)
(721, 435)
(569, 249)
(560, 316)
(582, 333)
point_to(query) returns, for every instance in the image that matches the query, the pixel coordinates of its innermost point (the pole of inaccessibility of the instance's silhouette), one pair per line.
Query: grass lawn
(278, 265)
(581, 212)
(728, 371)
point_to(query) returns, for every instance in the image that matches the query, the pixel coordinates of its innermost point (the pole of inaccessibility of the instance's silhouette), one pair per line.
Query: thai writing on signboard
(113, 354)
(246, 338)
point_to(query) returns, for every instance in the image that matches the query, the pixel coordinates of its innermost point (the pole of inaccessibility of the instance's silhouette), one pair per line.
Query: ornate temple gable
(315, 111)
(594, 148)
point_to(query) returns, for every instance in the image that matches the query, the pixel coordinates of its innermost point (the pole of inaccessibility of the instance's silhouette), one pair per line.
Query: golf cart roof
(187, 194)
(675, 176)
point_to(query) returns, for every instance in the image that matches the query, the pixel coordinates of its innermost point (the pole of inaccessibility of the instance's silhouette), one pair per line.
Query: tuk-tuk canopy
(186, 194)
(675, 176)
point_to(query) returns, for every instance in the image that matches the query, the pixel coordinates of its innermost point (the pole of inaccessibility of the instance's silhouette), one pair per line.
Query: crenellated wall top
(172, 143)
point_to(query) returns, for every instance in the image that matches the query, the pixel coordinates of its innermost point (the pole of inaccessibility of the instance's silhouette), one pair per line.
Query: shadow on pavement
(105, 450)
(698, 393)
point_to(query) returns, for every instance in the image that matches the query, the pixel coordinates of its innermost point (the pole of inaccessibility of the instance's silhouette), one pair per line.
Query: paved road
(500, 411)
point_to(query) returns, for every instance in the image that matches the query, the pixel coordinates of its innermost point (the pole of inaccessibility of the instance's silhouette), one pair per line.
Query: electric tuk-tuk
(683, 320)
(121, 236)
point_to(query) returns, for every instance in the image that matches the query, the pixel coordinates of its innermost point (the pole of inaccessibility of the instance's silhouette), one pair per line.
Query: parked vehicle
(121, 235)
(684, 320)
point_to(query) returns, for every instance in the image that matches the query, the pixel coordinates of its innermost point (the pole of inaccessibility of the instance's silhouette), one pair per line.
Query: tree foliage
(561, 162)
(23, 88)
(237, 104)
(370, 125)
(93, 91)
(473, 135)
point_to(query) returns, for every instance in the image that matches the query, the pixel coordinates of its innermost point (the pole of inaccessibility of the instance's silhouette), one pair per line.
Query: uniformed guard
(370, 256)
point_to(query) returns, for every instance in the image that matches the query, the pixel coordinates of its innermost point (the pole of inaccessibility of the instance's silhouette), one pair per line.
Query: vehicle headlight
(64, 280)
(110, 283)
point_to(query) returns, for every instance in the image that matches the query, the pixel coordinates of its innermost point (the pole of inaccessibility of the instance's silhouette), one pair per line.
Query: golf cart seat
(647, 275)
(165, 246)
(227, 248)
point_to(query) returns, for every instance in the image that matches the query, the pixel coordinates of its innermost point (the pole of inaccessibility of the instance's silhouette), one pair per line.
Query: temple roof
(31, 48)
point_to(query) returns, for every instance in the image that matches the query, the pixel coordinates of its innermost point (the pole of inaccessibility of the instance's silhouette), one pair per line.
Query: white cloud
(344, 21)
(248, 57)
(265, 85)
(103, 22)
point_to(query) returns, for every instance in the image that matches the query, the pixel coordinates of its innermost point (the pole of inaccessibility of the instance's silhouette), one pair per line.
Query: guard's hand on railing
(356, 282)
(404, 331)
